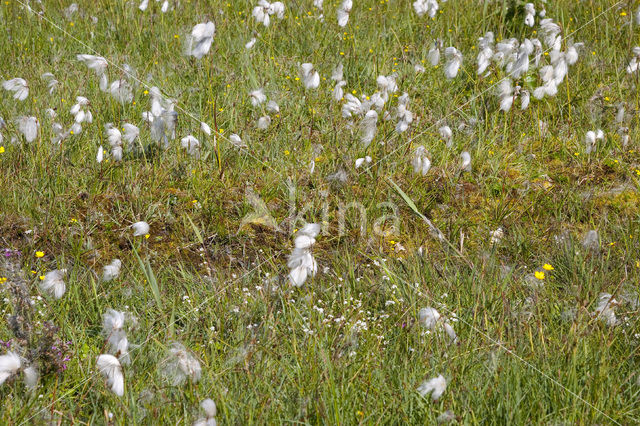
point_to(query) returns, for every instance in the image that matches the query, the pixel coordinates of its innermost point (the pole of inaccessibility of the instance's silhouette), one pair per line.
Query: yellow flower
(547, 267)
(1, 149)
(147, 236)
(39, 254)
(539, 275)
(41, 277)
(286, 152)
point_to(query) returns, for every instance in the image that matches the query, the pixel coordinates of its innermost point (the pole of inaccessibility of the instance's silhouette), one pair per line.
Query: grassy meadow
(516, 272)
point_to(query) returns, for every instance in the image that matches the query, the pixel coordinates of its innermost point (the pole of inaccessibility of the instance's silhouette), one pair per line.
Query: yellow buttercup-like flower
(539, 275)
(547, 267)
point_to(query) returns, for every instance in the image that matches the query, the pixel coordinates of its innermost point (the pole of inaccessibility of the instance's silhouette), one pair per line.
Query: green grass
(345, 348)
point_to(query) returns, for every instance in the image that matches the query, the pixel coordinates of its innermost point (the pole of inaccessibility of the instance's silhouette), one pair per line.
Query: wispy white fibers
(454, 60)
(368, 127)
(549, 86)
(591, 138)
(530, 14)
(113, 330)
(257, 97)
(100, 155)
(466, 161)
(605, 309)
(343, 12)
(352, 106)
(250, 43)
(112, 270)
(521, 65)
(99, 66)
(505, 92)
(10, 364)
(180, 365)
(429, 7)
(447, 135)
(18, 86)
(431, 319)
(199, 43)
(114, 137)
(140, 229)
(143, 5)
(338, 76)
(264, 122)
(310, 76)
(420, 161)
(110, 368)
(80, 111)
(53, 283)
(301, 263)
(435, 386)
(264, 10)
(210, 411)
(236, 140)
(162, 118)
(485, 52)
(634, 63)
(403, 115)
(28, 126)
(363, 160)
(272, 107)
(52, 83)
(121, 91)
(550, 34)
(131, 132)
(434, 53)
(191, 144)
